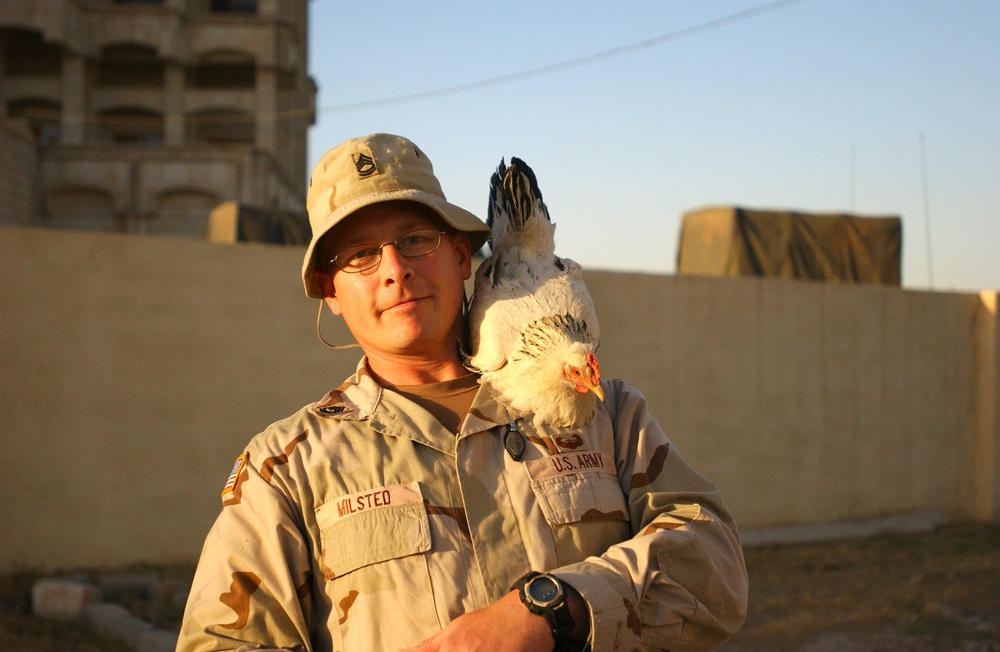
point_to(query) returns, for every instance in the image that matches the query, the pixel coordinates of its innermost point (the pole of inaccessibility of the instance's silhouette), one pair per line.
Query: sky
(633, 113)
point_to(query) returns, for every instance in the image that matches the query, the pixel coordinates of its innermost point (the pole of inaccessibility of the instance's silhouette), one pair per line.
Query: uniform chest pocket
(374, 526)
(576, 487)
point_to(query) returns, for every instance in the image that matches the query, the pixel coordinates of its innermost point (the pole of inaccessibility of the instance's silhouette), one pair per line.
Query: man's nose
(394, 265)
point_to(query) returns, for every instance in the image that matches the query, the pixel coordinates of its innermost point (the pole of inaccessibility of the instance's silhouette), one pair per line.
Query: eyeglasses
(412, 244)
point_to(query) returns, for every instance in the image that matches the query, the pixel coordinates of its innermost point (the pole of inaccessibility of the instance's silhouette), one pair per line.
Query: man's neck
(395, 371)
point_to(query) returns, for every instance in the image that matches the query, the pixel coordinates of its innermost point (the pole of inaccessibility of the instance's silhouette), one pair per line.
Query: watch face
(543, 590)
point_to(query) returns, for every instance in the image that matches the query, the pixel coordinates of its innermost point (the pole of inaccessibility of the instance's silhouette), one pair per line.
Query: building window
(222, 70)
(221, 127)
(81, 208)
(129, 65)
(233, 6)
(130, 126)
(43, 118)
(25, 54)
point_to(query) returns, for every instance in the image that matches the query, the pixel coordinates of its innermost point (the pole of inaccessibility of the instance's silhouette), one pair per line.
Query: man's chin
(407, 340)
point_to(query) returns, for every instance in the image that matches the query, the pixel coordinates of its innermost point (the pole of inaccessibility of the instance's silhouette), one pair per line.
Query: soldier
(389, 515)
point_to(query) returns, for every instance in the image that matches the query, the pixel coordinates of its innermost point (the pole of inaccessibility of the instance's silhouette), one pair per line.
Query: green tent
(734, 241)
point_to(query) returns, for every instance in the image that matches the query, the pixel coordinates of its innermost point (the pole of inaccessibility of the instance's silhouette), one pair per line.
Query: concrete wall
(134, 369)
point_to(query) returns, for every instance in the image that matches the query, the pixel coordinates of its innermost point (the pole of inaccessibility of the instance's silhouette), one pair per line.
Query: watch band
(553, 605)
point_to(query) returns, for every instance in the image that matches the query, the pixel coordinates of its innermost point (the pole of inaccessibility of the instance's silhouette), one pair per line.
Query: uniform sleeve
(680, 582)
(253, 585)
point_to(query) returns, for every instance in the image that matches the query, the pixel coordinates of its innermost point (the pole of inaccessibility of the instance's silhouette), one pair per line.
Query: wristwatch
(545, 595)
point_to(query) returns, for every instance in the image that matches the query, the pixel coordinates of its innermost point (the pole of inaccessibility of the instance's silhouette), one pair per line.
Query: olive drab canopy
(733, 241)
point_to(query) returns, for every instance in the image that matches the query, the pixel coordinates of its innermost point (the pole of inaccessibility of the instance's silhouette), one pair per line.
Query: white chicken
(533, 329)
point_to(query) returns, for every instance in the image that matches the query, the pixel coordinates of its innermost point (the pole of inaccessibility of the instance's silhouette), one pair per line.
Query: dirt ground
(904, 593)
(938, 591)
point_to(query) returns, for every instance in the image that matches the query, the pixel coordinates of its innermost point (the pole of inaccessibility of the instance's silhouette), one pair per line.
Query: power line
(565, 65)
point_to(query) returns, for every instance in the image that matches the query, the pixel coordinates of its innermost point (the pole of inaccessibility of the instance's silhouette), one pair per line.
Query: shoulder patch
(331, 410)
(234, 475)
(336, 405)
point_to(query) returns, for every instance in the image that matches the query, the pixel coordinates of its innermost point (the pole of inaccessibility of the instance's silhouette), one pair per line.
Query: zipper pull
(513, 441)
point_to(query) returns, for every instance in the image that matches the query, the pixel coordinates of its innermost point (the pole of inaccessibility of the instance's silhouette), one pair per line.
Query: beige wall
(134, 369)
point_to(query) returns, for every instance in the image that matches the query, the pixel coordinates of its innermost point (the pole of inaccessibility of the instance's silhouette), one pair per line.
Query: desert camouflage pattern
(360, 524)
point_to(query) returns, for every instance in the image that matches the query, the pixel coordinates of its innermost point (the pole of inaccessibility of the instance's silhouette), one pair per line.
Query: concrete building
(141, 116)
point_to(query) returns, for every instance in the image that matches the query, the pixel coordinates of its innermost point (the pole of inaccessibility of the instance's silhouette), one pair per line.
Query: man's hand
(504, 626)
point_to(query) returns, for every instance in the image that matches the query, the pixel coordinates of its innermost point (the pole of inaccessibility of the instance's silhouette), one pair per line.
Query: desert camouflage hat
(370, 170)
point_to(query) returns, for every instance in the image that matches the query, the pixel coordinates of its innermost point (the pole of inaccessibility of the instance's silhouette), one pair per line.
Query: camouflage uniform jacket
(360, 523)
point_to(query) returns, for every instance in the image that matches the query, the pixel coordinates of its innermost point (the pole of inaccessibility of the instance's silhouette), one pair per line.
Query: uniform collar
(484, 414)
(360, 397)
(356, 398)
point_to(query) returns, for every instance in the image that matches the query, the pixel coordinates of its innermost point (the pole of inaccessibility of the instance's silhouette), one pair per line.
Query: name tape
(571, 464)
(370, 501)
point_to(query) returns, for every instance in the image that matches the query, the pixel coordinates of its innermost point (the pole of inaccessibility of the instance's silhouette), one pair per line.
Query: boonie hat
(369, 170)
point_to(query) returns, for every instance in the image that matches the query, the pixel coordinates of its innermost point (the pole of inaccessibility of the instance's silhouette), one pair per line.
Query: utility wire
(565, 65)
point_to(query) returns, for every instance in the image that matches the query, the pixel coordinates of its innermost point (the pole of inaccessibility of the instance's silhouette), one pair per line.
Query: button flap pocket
(373, 526)
(577, 486)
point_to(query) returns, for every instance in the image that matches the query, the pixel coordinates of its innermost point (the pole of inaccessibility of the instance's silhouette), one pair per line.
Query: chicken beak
(586, 380)
(595, 376)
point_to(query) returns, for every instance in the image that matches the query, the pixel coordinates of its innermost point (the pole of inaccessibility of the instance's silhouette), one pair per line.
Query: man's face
(404, 307)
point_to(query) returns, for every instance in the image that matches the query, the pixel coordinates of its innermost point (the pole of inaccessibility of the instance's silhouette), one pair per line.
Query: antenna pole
(927, 213)
(853, 175)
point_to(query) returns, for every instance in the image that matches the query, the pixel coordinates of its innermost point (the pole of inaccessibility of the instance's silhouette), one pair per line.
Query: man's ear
(324, 281)
(464, 250)
(334, 304)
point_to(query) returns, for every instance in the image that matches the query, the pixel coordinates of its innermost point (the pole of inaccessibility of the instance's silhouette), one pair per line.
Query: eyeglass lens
(411, 245)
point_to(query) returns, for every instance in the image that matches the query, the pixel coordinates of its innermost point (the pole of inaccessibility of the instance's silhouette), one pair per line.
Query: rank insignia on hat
(364, 163)
(234, 476)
